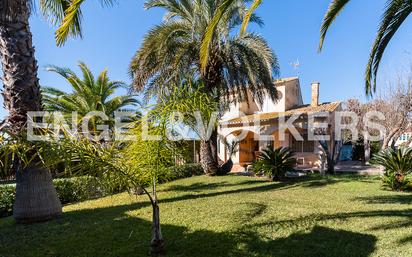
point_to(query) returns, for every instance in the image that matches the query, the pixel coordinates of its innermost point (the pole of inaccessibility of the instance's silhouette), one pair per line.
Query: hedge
(77, 189)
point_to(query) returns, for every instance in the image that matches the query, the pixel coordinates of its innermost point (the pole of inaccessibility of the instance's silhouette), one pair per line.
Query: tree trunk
(211, 78)
(390, 136)
(367, 148)
(157, 245)
(36, 199)
(209, 165)
(331, 165)
(395, 139)
(213, 145)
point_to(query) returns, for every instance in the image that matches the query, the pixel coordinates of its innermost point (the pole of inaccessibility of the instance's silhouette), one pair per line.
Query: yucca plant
(275, 163)
(397, 164)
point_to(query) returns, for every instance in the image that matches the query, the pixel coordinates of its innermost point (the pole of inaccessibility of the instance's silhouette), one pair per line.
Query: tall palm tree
(89, 94)
(36, 199)
(235, 64)
(395, 13)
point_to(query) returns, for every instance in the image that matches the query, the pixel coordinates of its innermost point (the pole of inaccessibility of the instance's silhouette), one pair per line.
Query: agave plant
(275, 163)
(397, 165)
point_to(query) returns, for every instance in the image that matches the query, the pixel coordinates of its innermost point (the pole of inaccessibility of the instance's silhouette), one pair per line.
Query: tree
(235, 62)
(395, 13)
(360, 109)
(22, 93)
(136, 165)
(394, 102)
(89, 94)
(189, 99)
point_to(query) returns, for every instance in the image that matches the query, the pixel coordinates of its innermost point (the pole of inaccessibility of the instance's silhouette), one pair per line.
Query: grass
(230, 216)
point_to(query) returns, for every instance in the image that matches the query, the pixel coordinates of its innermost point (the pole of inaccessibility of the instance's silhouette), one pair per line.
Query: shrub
(69, 190)
(275, 163)
(180, 171)
(396, 182)
(397, 165)
(77, 189)
(7, 195)
(83, 188)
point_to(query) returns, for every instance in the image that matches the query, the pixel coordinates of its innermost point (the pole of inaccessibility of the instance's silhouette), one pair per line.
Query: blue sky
(112, 35)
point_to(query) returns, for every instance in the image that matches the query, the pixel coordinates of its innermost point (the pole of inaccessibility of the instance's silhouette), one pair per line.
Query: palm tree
(89, 94)
(235, 64)
(395, 13)
(36, 199)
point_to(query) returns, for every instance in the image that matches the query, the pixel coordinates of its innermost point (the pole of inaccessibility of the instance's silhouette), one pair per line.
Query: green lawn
(230, 216)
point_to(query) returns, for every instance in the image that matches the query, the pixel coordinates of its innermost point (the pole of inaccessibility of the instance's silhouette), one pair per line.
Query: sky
(113, 34)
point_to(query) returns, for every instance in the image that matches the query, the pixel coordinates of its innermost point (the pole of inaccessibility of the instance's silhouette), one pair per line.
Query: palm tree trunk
(157, 245)
(209, 164)
(36, 199)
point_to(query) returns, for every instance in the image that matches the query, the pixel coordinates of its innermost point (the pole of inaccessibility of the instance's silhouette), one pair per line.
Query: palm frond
(335, 8)
(70, 23)
(395, 14)
(208, 36)
(248, 16)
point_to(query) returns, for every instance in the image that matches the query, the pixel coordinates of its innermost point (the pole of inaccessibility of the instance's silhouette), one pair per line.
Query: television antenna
(296, 67)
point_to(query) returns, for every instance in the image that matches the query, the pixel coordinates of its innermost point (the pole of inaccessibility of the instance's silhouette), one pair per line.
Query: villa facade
(258, 125)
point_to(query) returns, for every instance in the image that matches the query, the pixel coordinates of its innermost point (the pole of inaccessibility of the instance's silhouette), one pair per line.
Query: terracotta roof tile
(326, 107)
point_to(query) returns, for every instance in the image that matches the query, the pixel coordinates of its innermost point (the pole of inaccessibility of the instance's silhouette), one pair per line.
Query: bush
(275, 163)
(75, 189)
(7, 194)
(180, 171)
(396, 182)
(69, 190)
(83, 188)
(397, 165)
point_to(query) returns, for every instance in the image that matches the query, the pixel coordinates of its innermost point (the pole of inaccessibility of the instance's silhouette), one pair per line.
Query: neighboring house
(254, 121)
(404, 139)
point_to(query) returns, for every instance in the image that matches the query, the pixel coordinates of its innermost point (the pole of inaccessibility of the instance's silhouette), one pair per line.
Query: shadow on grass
(195, 187)
(314, 219)
(387, 199)
(111, 232)
(192, 191)
(202, 186)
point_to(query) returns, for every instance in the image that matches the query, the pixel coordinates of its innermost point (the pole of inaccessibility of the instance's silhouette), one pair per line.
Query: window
(304, 146)
(270, 144)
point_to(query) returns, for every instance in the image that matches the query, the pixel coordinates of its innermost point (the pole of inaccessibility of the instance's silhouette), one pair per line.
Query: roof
(282, 81)
(326, 107)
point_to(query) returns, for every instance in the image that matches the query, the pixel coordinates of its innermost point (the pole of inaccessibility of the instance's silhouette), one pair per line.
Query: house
(404, 139)
(258, 126)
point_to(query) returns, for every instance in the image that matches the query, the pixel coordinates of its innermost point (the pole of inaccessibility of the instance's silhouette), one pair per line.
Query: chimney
(315, 94)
